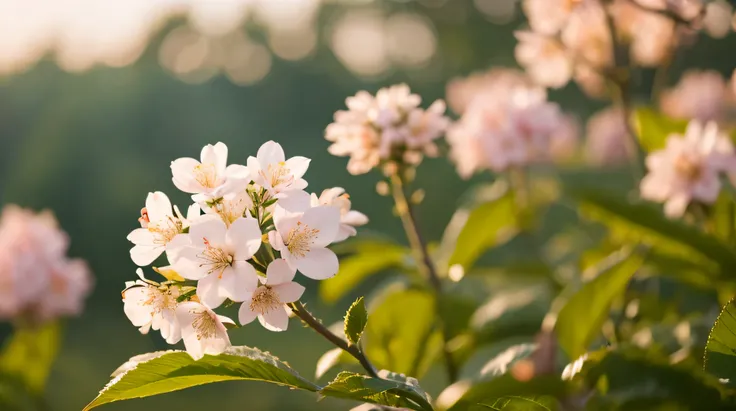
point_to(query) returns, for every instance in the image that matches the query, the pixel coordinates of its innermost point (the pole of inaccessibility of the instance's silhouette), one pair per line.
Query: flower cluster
(506, 123)
(689, 168)
(576, 38)
(38, 282)
(386, 129)
(702, 95)
(607, 136)
(250, 229)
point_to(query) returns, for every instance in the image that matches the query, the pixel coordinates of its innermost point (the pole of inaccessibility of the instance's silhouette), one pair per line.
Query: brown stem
(424, 262)
(315, 324)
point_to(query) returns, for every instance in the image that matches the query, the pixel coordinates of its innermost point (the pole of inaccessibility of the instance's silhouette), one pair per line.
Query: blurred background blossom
(97, 96)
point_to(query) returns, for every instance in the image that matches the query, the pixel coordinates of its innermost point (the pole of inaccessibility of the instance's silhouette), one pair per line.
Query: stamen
(277, 174)
(265, 300)
(300, 239)
(164, 231)
(215, 258)
(205, 326)
(206, 175)
(689, 168)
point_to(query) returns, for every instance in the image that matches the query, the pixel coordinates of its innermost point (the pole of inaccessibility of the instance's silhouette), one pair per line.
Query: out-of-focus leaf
(383, 391)
(580, 320)
(502, 363)
(511, 313)
(652, 128)
(456, 309)
(483, 226)
(402, 333)
(167, 371)
(538, 394)
(629, 378)
(370, 259)
(15, 396)
(355, 321)
(720, 351)
(331, 359)
(646, 224)
(30, 353)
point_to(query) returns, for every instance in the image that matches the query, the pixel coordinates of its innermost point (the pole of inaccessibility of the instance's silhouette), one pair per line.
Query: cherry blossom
(545, 59)
(271, 170)
(231, 206)
(202, 330)
(149, 305)
(607, 134)
(388, 127)
(349, 219)
(302, 238)
(211, 177)
(267, 301)
(216, 256)
(688, 168)
(159, 225)
(699, 95)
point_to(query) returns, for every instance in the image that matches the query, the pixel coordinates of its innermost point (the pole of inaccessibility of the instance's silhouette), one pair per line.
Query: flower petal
(182, 170)
(279, 272)
(297, 166)
(318, 264)
(141, 236)
(143, 255)
(270, 153)
(294, 201)
(245, 314)
(326, 219)
(238, 282)
(208, 291)
(158, 206)
(275, 320)
(208, 229)
(289, 292)
(137, 312)
(244, 238)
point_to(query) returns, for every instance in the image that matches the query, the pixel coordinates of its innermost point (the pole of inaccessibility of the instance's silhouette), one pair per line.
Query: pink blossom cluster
(576, 39)
(703, 95)
(38, 282)
(506, 122)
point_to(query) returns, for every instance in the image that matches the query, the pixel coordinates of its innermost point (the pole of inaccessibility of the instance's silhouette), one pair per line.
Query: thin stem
(424, 262)
(315, 324)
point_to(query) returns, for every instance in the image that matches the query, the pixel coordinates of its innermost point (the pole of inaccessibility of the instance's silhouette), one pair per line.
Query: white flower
(231, 206)
(216, 256)
(202, 330)
(549, 16)
(159, 226)
(388, 127)
(302, 239)
(211, 178)
(544, 58)
(688, 168)
(349, 219)
(267, 301)
(270, 169)
(150, 306)
(587, 35)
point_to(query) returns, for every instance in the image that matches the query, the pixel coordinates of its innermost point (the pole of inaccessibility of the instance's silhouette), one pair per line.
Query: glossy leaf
(355, 321)
(645, 223)
(29, 355)
(382, 391)
(653, 128)
(370, 259)
(582, 317)
(720, 351)
(167, 371)
(402, 333)
(486, 225)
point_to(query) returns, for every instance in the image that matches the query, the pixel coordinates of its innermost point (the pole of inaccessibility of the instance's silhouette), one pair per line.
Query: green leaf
(402, 334)
(511, 313)
(355, 321)
(580, 320)
(387, 390)
(487, 225)
(502, 363)
(167, 371)
(652, 128)
(537, 394)
(30, 353)
(645, 223)
(371, 258)
(720, 351)
(628, 378)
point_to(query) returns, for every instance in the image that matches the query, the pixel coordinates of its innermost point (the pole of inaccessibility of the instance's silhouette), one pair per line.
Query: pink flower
(688, 168)
(544, 58)
(386, 128)
(549, 16)
(37, 280)
(699, 95)
(500, 82)
(606, 134)
(267, 301)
